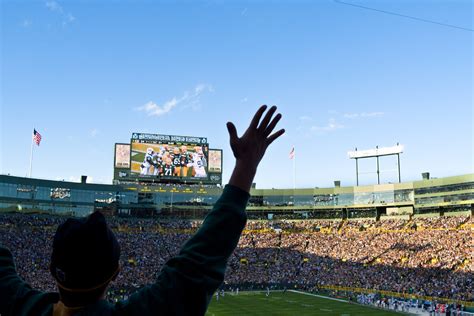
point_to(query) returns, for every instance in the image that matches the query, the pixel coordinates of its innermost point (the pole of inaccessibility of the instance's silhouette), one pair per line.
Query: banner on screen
(122, 156)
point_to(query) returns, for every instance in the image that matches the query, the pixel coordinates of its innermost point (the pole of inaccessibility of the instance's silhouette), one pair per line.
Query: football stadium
(376, 249)
(241, 158)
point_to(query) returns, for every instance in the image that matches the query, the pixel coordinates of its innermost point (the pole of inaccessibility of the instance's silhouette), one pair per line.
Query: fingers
(266, 119)
(275, 136)
(232, 131)
(257, 117)
(272, 125)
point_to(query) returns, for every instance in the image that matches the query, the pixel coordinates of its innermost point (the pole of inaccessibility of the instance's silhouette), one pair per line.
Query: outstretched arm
(187, 281)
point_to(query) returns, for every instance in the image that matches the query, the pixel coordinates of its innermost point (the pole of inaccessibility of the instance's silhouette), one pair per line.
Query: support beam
(399, 174)
(378, 171)
(357, 172)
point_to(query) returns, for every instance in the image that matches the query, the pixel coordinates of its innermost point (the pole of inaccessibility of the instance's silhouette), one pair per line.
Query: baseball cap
(85, 253)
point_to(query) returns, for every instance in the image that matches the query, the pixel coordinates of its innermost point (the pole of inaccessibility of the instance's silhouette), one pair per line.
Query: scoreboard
(167, 159)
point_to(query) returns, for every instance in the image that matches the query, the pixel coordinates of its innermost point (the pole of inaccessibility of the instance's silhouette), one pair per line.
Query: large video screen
(167, 156)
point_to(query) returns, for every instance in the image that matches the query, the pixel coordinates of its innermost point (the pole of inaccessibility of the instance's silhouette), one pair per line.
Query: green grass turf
(138, 157)
(289, 303)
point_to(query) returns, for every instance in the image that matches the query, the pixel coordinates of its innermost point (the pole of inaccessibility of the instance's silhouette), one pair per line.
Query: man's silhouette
(86, 254)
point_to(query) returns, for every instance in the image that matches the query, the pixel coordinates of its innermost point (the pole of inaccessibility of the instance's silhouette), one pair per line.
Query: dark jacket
(184, 286)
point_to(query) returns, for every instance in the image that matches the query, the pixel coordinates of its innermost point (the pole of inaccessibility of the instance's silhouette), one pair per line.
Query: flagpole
(294, 168)
(31, 154)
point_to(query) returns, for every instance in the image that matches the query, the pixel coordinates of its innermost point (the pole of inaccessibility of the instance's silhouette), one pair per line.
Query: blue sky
(86, 74)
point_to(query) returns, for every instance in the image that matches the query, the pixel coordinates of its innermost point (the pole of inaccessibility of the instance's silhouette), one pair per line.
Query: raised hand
(250, 148)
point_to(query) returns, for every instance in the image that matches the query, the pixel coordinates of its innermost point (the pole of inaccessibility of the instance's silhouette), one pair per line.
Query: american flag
(36, 137)
(292, 153)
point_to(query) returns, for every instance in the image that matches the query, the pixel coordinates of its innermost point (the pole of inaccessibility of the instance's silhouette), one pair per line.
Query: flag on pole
(292, 153)
(36, 137)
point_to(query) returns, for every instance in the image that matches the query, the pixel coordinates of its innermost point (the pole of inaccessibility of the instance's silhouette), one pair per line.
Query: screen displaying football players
(199, 163)
(168, 160)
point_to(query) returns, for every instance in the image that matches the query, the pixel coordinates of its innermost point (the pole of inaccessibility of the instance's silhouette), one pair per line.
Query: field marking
(320, 296)
(344, 301)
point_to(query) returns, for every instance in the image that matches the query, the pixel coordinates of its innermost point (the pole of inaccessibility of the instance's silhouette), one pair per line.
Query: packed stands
(430, 256)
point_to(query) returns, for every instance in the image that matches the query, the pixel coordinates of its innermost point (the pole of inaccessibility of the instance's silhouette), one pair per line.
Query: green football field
(289, 303)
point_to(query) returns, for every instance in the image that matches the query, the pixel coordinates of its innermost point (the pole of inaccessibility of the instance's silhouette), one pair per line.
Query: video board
(60, 193)
(169, 157)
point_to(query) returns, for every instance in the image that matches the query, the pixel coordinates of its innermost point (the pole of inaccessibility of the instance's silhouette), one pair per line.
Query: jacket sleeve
(11, 285)
(187, 282)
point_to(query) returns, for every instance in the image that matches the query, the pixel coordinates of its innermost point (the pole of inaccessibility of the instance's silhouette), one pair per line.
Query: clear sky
(86, 74)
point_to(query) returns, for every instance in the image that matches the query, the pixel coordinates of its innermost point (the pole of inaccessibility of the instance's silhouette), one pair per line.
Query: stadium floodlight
(376, 153)
(382, 151)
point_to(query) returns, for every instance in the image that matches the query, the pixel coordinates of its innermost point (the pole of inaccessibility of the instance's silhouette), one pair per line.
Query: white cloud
(308, 126)
(202, 87)
(244, 100)
(66, 17)
(332, 125)
(70, 18)
(362, 115)
(94, 132)
(54, 6)
(26, 23)
(154, 109)
(305, 118)
(188, 99)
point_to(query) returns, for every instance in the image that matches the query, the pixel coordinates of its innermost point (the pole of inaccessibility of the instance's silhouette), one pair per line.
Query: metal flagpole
(294, 168)
(31, 154)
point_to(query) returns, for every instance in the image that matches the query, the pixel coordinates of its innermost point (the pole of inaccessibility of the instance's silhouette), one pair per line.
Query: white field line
(320, 296)
(344, 301)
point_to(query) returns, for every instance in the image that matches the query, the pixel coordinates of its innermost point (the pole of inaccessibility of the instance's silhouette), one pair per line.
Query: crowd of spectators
(414, 306)
(424, 256)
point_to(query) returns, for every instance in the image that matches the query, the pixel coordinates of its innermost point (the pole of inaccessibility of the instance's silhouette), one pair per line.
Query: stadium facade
(440, 195)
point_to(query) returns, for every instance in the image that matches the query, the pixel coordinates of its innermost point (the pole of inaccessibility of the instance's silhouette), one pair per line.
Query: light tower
(376, 153)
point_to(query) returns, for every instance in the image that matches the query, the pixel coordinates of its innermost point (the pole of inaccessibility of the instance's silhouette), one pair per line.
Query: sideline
(320, 296)
(348, 302)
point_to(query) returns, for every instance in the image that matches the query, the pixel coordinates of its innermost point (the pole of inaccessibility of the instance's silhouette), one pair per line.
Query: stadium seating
(430, 256)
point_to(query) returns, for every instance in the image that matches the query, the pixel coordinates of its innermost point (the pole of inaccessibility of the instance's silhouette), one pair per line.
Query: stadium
(219, 158)
(395, 247)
